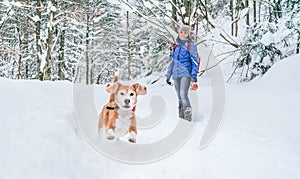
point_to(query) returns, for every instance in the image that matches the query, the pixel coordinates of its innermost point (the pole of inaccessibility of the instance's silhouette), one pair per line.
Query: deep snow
(259, 137)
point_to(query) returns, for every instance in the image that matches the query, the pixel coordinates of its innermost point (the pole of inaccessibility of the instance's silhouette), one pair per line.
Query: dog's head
(126, 95)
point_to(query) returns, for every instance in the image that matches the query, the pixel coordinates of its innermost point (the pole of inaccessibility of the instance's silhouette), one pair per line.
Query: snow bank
(284, 73)
(259, 137)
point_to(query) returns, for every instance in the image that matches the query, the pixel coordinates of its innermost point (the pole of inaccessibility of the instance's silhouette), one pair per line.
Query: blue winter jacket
(183, 63)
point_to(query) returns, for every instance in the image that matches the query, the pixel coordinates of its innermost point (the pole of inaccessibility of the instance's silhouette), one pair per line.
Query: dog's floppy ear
(112, 87)
(141, 90)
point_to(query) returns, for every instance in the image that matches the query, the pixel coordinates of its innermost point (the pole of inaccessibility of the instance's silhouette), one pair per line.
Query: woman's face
(183, 35)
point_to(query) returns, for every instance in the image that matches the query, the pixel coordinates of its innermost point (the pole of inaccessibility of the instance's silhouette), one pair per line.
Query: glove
(168, 81)
(194, 85)
(194, 80)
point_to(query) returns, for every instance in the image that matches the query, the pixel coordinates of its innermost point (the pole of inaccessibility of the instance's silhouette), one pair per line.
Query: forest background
(88, 40)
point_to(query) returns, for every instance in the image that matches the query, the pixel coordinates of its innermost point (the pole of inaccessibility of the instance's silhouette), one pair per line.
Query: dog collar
(112, 108)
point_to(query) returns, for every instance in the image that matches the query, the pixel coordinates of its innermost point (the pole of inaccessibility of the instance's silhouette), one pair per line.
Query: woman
(183, 68)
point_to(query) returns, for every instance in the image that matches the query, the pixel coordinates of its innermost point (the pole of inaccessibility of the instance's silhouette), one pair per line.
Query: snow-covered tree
(267, 42)
(88, 41)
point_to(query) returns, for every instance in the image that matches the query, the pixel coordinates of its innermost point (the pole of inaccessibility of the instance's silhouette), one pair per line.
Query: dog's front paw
(132, 137)
(110, 134)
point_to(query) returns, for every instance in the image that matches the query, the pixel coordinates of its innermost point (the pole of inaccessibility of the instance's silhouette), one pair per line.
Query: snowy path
(87, 117)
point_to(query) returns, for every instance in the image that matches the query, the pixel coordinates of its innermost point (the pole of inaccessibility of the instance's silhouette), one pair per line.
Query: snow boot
(187, 113)
(180, 112)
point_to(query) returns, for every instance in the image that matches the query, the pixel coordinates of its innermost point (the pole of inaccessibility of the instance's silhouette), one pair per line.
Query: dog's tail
(116, 77)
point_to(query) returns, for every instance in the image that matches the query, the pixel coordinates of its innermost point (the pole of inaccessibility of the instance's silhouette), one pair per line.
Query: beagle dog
(119, 112)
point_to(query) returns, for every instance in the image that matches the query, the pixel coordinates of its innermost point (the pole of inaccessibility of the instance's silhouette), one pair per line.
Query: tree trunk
(270, 12)
(92, 65)
(236, 29)
(197, 30)
(49, 45)
(237, 10)
(278, 9)
(206, 14)
(174, 16)
(87, 41)
(61, 61)
(20, 55)
(298, 44)
(128, 45)
(259, 10)
(38, 40)
(247, 16)
(47, 67)
(232, 16)
(254, 11)
(187, 15)
(26, 49)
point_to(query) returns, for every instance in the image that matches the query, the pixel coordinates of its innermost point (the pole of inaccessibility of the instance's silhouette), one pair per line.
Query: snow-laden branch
(164, 26)
(152, 22)
(139, 13)
(177, 9)
(55, 41)
(162, 11)
(17, 4)
(228, 38)
(5, 18)
(171, 2)
(194, 10)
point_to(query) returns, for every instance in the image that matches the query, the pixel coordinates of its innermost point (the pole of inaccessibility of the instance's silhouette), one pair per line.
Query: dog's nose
(127, 101)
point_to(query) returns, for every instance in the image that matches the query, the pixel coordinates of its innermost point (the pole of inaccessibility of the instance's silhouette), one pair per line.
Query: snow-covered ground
(259, 137)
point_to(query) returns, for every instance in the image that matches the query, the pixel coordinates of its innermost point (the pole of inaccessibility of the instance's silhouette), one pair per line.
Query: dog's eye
(122, 94)
(131, 94)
